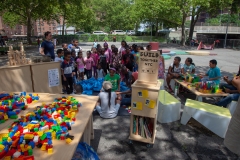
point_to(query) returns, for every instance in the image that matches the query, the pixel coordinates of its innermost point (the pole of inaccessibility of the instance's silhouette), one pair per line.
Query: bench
(232, 107)
(168, 107)
(213, 117)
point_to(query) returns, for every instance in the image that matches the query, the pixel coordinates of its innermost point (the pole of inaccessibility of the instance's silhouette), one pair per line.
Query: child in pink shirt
(95, 58)
(80, 65)
(89, 62)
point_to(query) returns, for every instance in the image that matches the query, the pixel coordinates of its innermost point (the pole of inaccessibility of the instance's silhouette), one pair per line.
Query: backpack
(85, 152)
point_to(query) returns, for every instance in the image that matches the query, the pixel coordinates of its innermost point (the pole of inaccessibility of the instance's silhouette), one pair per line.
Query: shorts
(80, 70)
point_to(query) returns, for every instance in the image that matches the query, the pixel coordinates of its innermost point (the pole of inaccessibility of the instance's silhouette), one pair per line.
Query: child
(189, 66)
(103, 60)
(213, 73)
(100, 72)
(128, 59)
(64, 46)
(59, 56)
(95, 58)
(108, 54)
(161, 67)
(114, 79)
(174, 71)
(67, 72)
(80, 63)
(116, 59)
(89, 64)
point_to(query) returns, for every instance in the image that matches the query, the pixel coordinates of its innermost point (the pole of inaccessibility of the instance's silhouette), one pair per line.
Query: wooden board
(40, 77)
(197, 93)
(148, 66)
(16, 78)
(61, 150)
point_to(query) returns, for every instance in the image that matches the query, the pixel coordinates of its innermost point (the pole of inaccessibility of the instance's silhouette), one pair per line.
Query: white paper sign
(53, 77)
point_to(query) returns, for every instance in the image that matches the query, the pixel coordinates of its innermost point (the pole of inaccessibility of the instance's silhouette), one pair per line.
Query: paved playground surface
(173, 140)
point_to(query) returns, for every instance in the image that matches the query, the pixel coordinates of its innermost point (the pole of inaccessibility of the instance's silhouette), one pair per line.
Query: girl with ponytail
(189, 66)
(109, 105)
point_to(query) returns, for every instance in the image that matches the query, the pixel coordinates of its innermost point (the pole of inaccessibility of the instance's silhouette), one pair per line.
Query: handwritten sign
(148, 66)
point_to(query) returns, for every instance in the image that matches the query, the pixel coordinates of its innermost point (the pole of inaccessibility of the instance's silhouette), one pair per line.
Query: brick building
(39, 28)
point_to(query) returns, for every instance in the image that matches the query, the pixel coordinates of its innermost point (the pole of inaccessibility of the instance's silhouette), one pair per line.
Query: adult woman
(108, 105)
(47, 46)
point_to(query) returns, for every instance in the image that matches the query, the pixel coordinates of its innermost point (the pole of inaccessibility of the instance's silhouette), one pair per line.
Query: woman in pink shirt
(80, 65)
(89, 64)
(95, 58)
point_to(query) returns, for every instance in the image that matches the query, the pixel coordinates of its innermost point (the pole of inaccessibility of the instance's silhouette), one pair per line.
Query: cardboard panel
(148, 66)
(40, 77)
(16, 78)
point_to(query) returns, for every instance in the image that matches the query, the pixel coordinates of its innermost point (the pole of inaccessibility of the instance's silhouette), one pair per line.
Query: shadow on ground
(173, 140)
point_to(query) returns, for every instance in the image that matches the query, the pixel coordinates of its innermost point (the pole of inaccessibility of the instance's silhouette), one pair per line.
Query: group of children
(98, 63)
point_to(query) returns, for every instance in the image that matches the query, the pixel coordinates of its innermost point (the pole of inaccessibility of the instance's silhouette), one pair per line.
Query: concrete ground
(173, 140)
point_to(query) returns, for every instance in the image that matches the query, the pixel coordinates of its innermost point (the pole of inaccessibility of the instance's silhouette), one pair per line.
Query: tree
(155, 12)
(113, 14)
(26, 12)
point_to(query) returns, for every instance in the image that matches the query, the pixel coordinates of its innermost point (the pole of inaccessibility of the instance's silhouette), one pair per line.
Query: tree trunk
(156, 34)
(192, 24)
(29, 30)
(64, 16)
(183, 29)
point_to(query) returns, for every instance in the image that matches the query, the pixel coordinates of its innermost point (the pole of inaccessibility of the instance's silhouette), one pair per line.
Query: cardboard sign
(148, 66)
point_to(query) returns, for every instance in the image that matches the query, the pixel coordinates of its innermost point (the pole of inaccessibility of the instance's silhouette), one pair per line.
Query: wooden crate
(141, 92)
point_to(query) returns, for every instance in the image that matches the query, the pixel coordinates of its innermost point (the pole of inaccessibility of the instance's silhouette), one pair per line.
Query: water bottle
(176, 90)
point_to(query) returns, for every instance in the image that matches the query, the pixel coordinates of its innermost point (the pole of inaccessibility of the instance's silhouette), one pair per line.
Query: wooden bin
(41, 80)
(16, 78)
(142, 91)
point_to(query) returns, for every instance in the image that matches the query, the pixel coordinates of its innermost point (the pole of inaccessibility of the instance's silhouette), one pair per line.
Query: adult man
(47, 46)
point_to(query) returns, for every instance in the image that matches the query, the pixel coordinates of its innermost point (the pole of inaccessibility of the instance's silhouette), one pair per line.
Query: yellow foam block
(2, 147)
(43, 148)
(40, 133)
(68, 140)
(208, 108)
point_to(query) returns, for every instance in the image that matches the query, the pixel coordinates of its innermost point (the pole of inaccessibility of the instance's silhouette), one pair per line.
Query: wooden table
(83, 127)
(199, 95)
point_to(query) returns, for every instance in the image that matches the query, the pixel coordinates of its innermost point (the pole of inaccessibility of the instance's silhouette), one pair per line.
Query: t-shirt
(77, 49)
(48, 48)
(213, 73)
(121, 49)
(67, 68)
(177, 69)
(106, 111)
(108, 54)
(113, 80)
(100, 73)
(80, 63)
(95, 44)
(58, 59)
(128, 60)
(188, 68)
(89, 63)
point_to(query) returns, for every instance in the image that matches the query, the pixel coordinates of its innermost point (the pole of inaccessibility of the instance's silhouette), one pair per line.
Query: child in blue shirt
(189, 66)
(67, 69)
(213, 73)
